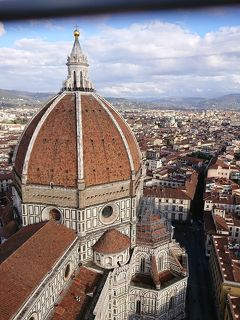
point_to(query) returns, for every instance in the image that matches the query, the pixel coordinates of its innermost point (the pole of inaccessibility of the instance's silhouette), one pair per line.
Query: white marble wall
(87, 222)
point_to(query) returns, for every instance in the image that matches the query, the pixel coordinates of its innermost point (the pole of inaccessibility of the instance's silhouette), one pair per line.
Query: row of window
(237, 229)
(234, 235)
(171, 208)
(172, 200)
(223, 173)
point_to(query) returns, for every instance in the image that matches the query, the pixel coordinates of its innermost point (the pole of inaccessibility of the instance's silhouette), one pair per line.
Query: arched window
(160, 263)
(142, 265)
(171, 303)
(33, 316)
(108, 261)
(67, 271)
(138, 307)
(98, 257)
(74, 80)
(81, 79)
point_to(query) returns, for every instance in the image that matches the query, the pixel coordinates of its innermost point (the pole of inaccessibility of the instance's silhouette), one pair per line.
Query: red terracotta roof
(23, 270)
(219, 163)
(220, 223)
(151, 230)
(112, 241)
(165, 276)
(229, 264)
(25, 139)
(54, 156)
(209, 225)
(129, 137)
(168, 193)
(17, 239)
(105, 157)
(76, 298)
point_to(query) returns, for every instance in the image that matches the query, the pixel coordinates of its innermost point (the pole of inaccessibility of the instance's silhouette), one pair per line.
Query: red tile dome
(76, 136)
(112, 241)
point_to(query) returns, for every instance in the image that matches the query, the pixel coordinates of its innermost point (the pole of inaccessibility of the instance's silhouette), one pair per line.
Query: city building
(88, 245)
(225, 272)
(173, 203)
(5, 181)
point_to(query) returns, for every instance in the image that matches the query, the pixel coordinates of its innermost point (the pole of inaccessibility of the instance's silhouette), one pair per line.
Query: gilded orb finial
(76, 32)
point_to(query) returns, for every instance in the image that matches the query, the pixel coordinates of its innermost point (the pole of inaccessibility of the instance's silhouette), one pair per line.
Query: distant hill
(11, 98)
(24, 94)
(229, 102)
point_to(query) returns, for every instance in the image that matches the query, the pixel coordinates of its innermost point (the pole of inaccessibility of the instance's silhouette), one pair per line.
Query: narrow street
(199, 304)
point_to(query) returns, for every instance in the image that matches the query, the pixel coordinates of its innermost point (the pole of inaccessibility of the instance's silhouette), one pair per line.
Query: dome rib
(128, 134)
(49, 155)
(119, 130)
(25, 138)
(79, 137)
(105, 156)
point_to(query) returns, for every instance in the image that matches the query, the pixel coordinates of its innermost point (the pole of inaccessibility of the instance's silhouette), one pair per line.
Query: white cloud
(2, 30)
(34, 65)
(148, 59)
(172, 59)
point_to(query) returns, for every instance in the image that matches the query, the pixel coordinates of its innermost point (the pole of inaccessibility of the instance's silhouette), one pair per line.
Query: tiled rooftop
(168, 193)
(76, 299)
(229, 259)
(112, 241)
(22, 270)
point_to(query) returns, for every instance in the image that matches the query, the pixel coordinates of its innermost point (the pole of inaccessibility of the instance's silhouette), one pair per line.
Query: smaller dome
(112, 241)
(153, 230)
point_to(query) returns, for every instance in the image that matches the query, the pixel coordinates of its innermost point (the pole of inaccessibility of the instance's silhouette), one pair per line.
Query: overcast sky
(164, 54)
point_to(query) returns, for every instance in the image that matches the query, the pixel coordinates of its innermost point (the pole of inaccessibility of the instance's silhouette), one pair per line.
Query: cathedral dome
(77, 138)
(112, 241)
(112, 249)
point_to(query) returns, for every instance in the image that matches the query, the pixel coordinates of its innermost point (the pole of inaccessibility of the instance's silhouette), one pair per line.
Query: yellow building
(225, 271)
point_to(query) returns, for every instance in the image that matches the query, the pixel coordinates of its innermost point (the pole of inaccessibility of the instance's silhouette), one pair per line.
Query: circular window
(54, 214)
(51, 213)
(107, 212)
